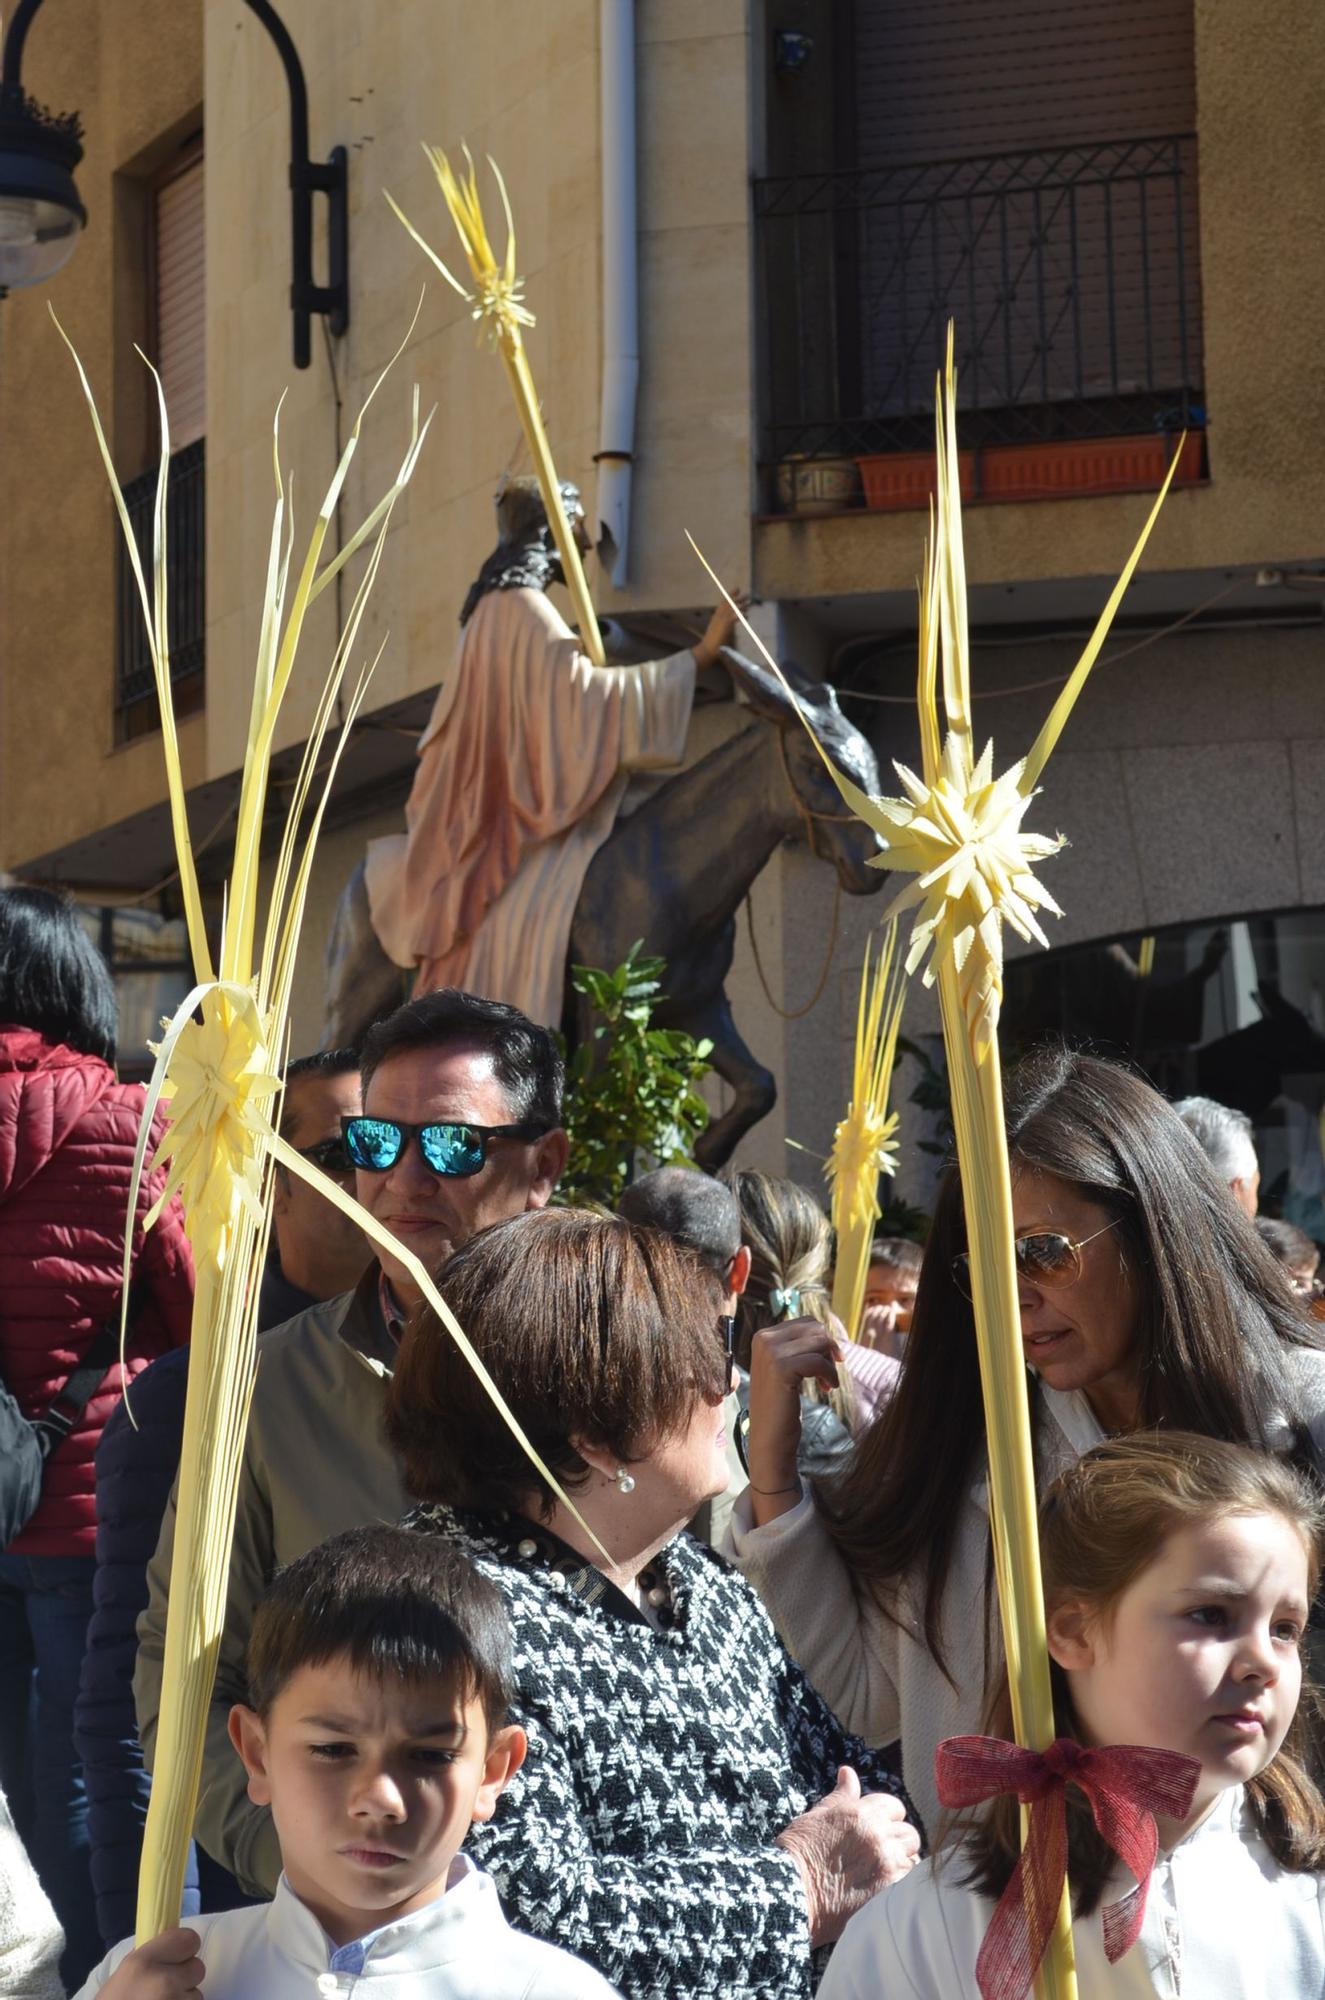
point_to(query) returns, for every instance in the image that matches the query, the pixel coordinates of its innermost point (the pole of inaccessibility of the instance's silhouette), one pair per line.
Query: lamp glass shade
(40, 212)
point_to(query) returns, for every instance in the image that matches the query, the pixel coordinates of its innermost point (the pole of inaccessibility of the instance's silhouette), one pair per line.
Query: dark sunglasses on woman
(454, 1151)
(1047, 1258)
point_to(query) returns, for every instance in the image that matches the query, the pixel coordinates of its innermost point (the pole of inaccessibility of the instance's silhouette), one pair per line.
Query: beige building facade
(1192, 782)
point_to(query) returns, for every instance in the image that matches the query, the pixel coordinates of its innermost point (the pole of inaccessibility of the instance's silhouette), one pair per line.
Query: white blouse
(459, 1947)
(1224, 1921)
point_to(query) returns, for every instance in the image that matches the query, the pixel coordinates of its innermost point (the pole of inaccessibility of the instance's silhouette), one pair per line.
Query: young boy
(379, 1677)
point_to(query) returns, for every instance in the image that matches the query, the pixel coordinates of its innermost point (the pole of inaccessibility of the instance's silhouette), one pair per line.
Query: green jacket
(315, 1463)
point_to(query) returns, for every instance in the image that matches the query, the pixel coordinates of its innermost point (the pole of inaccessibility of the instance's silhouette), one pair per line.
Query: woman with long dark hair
(1147, 1300)
(68, 1131)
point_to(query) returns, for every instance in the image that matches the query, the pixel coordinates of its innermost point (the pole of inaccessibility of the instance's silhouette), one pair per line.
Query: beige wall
(519, 82)
(134, 70)
(1262, 163)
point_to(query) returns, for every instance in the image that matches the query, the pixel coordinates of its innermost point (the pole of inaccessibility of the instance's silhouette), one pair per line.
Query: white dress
(459, 1947)
(1223, 1922)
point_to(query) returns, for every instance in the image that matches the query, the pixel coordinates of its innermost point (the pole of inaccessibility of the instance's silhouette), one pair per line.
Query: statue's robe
(521, 773)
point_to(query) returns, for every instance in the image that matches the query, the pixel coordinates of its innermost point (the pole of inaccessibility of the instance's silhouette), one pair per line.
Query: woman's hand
(782, 1358)
(168, 1968)
(847, 1848)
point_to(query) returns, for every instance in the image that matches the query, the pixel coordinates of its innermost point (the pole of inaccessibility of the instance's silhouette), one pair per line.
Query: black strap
(54, 1424)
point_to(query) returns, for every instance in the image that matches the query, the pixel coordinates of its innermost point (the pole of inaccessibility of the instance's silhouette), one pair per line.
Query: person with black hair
(316, 1252)
(1147, 1299)
(461, 1127)
(68, 1132)
(376, 1730)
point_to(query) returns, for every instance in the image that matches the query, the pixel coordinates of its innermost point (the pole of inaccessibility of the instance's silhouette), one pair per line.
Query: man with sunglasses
(460, 1128)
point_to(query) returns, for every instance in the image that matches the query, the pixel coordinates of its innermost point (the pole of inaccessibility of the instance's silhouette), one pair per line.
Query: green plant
(632, 1096)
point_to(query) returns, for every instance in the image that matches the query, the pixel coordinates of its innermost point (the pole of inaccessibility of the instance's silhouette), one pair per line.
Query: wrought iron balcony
(1072, 276)
(186, 566)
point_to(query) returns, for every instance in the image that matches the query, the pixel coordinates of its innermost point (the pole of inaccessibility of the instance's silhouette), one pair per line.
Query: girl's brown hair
(590, 1327)
(1102, 1524)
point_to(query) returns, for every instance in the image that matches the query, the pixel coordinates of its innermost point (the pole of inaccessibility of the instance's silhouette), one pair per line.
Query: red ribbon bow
(1126, 1786)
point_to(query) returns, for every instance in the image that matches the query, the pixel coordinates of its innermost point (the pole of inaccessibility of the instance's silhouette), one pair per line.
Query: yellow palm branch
(958, 831)
(219, 1071)
(499, 308)
(864, 1143)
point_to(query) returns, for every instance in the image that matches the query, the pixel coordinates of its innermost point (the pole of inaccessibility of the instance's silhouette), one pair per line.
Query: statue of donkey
(674, 873)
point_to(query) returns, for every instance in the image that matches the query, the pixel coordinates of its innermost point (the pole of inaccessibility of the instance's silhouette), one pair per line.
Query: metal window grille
(1072, 276)
(186, 564)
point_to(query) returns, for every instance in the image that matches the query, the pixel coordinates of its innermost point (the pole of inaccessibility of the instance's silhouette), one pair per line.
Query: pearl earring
(624, 1482)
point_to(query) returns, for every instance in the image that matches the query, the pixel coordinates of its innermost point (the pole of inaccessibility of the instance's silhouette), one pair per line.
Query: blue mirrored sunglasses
(454, 1151)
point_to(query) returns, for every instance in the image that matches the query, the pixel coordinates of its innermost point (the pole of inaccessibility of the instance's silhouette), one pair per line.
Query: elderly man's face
(431, 1213)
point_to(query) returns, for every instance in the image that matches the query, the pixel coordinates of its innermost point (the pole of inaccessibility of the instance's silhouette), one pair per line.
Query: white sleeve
(900, 1947)
(30, 1936)
(99, 1974)
(843, 1641)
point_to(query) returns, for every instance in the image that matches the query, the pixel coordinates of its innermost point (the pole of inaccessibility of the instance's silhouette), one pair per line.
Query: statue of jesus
(522, 768)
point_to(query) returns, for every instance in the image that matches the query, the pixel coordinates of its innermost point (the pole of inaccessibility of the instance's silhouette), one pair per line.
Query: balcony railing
(1072, 277)
(186, 564)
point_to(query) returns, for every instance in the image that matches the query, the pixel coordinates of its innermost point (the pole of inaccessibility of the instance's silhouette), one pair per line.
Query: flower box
(906, 478)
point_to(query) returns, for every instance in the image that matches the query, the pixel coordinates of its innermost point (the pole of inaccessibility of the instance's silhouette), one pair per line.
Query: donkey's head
(832, 832)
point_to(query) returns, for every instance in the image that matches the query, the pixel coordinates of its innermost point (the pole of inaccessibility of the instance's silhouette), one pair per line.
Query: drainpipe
(616, 422)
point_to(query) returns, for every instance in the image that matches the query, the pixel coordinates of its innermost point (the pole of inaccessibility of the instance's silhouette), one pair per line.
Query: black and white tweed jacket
(662, 1763)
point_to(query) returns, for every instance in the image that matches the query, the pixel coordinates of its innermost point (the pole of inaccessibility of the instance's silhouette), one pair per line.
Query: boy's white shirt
(1224, 1921)
(458, 1947)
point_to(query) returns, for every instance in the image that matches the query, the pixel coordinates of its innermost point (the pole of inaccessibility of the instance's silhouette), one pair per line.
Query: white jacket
(875, 1671)
(1223, 1922)
(30, 1938)
(459, 1947)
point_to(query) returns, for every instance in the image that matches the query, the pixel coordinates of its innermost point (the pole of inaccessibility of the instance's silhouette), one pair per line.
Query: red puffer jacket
(67, 1137)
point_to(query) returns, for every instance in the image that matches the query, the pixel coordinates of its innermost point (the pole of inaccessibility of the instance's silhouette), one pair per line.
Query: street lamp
(40, 212)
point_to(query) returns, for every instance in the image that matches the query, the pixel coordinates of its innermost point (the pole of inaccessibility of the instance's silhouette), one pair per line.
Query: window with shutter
(176, 308)
(180, 297)
(1029, 173)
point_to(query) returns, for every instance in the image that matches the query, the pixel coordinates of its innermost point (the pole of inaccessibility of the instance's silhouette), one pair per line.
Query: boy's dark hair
(525, 1058)
(52, 977)
(391, 1602)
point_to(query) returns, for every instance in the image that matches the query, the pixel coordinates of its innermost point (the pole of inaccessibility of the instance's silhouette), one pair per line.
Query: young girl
(1178, 1572)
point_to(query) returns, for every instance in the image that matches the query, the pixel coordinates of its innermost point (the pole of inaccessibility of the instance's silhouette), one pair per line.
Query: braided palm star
(959, 829)
(962, 839)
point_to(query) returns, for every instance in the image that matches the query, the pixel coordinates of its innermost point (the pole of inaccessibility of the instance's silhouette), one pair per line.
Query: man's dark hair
(691, 1206)
(525, 1058)
(391, 1602)
(52, 977)
(326, 1062)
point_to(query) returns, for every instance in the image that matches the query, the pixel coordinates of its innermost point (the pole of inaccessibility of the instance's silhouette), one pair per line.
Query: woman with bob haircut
(690, 1817)
(68, 1131)
(1147, 1301)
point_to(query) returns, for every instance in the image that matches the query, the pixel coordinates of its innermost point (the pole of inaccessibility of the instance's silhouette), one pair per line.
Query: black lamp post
(307, 178)
(41, 214)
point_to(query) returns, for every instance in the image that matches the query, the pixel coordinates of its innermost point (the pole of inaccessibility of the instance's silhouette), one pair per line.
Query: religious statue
(518, 858)
(521, 771)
